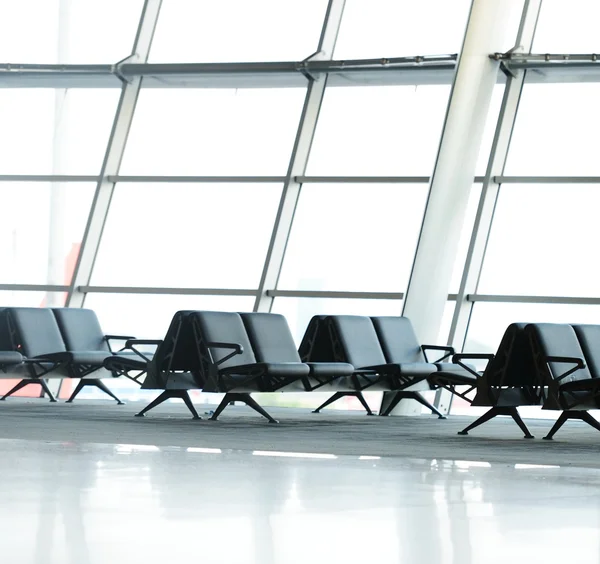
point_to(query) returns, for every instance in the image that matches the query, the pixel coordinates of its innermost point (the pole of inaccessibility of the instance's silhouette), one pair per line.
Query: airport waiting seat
(316, 346)
(356, 341)
(229, 364)
(88, 347)
(401, 346)
(173, 367)
(272, 342)
(567, 360)
(508, 381)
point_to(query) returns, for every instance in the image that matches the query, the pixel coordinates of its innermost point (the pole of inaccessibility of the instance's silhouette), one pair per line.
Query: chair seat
(454, 377)
(331, 369)
(408, 369)
(126, 361)
(276, 369)
(587, 385)
(10, 357)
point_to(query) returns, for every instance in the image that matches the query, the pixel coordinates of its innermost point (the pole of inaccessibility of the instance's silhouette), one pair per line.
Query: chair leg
(418, 397)
(364, 403)
(339, 395)
(565, 415)
(22, 383)
(493, 412)
(245, 398)
(559, 423)
(330, 400)
(389, 401)
(168, 394)
(93, 382)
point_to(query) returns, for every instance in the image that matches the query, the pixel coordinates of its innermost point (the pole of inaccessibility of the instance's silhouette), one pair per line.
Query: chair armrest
(109, 338)
(237, 349)
(578, 362)
(448, 349)
(118, 337)
(458, 359)
(133, 342)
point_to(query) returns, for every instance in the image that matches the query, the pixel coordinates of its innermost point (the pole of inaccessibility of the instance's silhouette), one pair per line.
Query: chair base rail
(339, 395)
(566, 415)
(244, 398)
(96, 383)
(27, 382)
(493, 412)
(390, 404)
(168, 394)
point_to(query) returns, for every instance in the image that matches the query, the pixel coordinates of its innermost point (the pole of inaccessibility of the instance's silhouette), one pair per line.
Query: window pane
(237, 30)
(83, 120)
(147, 316)
(298, 311)
(567, 27)
(187, 235)
(556, 131)
(394, 28)
(354, 237)
(543, 241)
(379, 130)
(213, 132)
(490, 320)
(67, 32)
(14, 298)
(41, 230)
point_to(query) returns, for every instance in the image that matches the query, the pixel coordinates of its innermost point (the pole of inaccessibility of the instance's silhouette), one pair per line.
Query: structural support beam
(491, 185)
(490, 23)
(299, 159)
(112, 159)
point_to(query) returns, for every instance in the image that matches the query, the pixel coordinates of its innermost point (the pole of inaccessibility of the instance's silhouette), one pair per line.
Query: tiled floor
(85, 503)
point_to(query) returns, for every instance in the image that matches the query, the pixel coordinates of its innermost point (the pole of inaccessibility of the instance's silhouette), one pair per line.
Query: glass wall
(203, 156)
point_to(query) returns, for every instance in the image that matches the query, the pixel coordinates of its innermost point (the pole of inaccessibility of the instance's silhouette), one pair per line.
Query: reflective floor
(81, 503)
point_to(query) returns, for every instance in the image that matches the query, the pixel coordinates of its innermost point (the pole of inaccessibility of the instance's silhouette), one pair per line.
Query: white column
(490, 23)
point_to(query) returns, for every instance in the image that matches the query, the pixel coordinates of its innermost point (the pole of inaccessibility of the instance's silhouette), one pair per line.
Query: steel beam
(488, 25)
(112, 158)
(491, 186)
(299, 159)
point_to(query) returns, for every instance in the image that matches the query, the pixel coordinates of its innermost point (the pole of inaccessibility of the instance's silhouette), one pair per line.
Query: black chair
(401, 346)
(89, 347)
(229, 364)
(272, 342)
(355, 340)
(174, 366)
(34, 333)
(508, 381)
(317, 346)
(564, 357)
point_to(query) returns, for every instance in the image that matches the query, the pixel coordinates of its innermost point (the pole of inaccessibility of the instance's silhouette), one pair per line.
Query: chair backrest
(34, 331)
(178, 352)
(270, 337)
(589, 340)
(80, 329)
(223, 327)
(398, 339)
(6, 343)
(316, 345)
(556, 339)
(355, 340)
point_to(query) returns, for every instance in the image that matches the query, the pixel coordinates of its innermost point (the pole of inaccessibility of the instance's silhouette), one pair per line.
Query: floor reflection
(89, 504)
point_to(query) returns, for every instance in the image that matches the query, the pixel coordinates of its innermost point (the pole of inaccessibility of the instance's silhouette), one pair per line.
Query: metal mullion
(112, 158)
(298, 160)
(48, 178)
(519, 299)
(501, 179)
(33, 288)
(199, 179)
(166, 291)
(490, 190)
